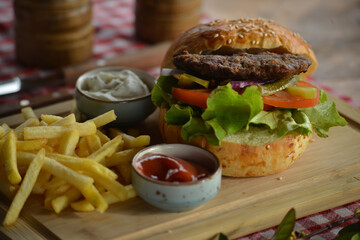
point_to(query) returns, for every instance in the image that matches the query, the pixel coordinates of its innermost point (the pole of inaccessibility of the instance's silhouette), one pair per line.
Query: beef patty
(243, 66)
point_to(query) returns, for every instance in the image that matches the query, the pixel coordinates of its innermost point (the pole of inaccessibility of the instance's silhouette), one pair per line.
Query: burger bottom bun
(239, 160)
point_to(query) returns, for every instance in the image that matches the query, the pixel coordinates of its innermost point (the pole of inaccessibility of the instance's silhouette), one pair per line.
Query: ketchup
(170, 169)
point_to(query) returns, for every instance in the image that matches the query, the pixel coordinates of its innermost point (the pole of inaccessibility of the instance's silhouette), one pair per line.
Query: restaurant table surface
(331, 27)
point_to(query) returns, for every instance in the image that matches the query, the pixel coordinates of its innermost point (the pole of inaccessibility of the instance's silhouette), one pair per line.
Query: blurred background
(331, 27)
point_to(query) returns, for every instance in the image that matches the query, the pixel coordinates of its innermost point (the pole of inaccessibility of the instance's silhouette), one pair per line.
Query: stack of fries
(71, 164)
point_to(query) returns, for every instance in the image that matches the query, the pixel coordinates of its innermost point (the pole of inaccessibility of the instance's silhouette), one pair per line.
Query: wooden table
(331, 27)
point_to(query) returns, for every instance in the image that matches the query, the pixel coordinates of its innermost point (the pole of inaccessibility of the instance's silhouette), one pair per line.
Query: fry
(54, 183)
(2, 132)
(54, 193)
(69, 142)
(103, 138)
(6, 188)
(6, 129)
(43, 177)
(125, 172)
(8, 155)
(61, 202)
(68, 120)
(112, 186)
(28, 123)
(104, 119)
(82, 206)
(84, 164)
(93, 142)
(123, 156)
(25, 189)
(83, 148)
(95, 198)
(140, 141)
(31, 145)
(27, 113)
(109, 198)
(57, 169)
(49, 119)
(106, 150)
(85, 129)
(130, 141)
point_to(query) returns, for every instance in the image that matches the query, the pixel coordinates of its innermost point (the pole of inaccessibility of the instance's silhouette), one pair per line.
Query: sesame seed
(261, 34)
(229, 41)
(257, 43)
(253, 42)
(267, 147)
(222, 36)
(265, 34)
(280, 178)
(241, 36)
(216, 35)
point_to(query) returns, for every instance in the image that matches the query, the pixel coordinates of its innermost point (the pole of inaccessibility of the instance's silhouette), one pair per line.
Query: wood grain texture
(326, 176)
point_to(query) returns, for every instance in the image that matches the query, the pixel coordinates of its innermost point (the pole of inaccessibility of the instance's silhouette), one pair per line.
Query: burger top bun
(249, 35)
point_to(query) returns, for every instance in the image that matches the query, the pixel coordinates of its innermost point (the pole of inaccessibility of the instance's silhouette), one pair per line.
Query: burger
(239, 89)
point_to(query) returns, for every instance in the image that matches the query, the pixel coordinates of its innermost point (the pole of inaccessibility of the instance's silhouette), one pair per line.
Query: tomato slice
(286, 100)
(196, 97)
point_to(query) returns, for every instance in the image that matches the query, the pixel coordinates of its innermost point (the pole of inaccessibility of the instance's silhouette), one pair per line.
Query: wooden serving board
(327, 175)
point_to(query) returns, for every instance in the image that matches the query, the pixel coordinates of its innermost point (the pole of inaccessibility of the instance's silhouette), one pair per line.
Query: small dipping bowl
(178, 196)
(128, 111)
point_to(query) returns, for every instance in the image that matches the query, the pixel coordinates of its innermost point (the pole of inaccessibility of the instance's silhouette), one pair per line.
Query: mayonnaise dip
(115, 86)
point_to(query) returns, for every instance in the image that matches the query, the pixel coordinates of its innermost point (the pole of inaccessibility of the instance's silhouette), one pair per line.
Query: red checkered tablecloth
(114, 24)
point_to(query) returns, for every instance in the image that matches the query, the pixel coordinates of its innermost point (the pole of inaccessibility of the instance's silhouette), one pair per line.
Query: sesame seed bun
(240, 160)
(247, 35)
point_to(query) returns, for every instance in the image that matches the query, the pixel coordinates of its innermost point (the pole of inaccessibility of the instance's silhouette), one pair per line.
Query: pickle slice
(271, 88)
(187, 81)
(304, 92)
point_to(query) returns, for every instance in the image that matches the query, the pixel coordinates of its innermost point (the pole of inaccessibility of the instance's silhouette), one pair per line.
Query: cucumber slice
(271, 88)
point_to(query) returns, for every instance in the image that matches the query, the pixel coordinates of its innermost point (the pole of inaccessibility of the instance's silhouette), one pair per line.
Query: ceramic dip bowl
(175, 196)
(95, 91)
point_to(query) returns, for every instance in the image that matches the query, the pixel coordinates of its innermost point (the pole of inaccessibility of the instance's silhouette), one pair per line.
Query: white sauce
(115, 86)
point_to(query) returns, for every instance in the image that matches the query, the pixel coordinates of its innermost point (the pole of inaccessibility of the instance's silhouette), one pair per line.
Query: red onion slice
(242, 84)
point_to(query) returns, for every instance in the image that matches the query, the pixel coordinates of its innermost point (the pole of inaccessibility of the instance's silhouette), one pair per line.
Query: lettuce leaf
(324, 116)
(228, 113)
(162, 91)
(284, 121)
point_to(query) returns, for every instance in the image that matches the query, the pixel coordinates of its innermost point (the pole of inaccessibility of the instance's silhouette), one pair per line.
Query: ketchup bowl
(176, 177)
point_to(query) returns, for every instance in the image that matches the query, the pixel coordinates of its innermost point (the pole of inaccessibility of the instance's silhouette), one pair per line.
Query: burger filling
(216, 96)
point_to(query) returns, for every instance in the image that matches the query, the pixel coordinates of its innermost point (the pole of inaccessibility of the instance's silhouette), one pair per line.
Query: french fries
(71, 164)
(25, 188)
(69, 142)
(27, 113)
(8, 154)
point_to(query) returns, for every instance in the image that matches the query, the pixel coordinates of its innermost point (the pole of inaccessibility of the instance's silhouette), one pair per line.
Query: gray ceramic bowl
(129, 112)
(178, 197)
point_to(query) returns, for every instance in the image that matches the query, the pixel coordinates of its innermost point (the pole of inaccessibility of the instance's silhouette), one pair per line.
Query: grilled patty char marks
(243, 66)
